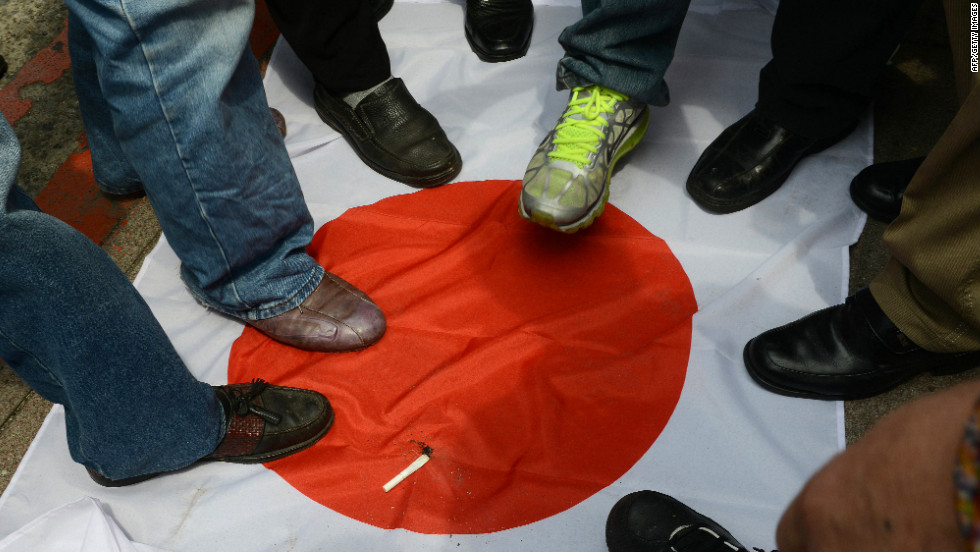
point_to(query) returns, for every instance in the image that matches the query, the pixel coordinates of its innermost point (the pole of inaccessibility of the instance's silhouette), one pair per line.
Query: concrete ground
(37, 96)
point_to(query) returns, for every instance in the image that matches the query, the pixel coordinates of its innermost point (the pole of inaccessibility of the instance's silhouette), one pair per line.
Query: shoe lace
(581, 130)
(698, 538)
(241, 404)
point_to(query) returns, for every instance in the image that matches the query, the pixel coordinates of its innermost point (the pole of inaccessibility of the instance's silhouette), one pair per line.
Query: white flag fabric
(81, 526)
(725, 446)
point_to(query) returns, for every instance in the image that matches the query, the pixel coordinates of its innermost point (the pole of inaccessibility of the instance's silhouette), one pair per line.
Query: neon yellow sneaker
(566, 184)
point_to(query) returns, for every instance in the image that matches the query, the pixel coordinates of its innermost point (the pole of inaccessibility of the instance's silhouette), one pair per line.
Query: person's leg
(931, 287)
(624, 45)
(110, 167)
(79, 334)
(880, 188)
(189, 114)
(337, 41)
(920, 314)
(356, 95)
(614, 63)
(827, 57)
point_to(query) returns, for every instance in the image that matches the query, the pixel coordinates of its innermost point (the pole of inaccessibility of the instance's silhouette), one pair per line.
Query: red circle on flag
(538, 367)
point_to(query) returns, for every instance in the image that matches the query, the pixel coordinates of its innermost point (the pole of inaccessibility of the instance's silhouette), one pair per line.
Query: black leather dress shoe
(878, 189)
(848, 351)
(746, 163)
(499, 30)
(648, 521)
(262, 423)
(393, 135)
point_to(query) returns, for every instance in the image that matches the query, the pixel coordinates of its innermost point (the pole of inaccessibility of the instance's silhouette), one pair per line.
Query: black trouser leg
(337, 40)
(827, 59)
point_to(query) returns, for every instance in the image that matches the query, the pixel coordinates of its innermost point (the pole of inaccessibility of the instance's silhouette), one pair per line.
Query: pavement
(37, 96)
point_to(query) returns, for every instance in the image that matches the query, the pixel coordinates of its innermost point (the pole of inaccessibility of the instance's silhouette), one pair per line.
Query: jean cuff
(268, 312)
(263, 311)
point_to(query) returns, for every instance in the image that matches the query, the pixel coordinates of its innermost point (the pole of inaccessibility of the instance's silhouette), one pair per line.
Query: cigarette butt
(412, 468)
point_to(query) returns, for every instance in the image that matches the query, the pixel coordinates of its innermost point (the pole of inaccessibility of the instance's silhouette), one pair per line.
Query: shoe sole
(547, 220)
(430, 181)
(953, 367)
(106, 482)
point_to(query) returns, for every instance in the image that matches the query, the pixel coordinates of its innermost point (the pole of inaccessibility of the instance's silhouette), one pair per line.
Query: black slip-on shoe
(393, 135)
(844, 352)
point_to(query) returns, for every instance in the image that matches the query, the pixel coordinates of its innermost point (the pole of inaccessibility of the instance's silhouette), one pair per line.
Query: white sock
(355, 98)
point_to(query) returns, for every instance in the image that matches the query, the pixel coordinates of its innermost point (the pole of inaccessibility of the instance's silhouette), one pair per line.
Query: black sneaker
(648, 521)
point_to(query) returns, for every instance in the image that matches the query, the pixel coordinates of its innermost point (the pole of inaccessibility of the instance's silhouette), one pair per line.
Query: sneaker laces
(581, 130)
(698, 538)
(240, 402)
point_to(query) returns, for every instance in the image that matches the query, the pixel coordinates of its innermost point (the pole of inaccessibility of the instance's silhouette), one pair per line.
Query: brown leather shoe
(263, 422)
(336, 317)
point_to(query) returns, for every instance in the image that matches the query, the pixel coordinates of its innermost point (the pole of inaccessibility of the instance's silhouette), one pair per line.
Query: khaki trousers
(930, 288)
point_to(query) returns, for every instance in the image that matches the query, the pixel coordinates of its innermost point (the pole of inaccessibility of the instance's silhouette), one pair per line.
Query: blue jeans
(172, 102)
(79, 334)
(625, 45)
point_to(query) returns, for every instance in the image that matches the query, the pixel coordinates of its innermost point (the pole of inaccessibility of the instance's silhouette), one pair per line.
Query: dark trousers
(337, 40)
(827, 57)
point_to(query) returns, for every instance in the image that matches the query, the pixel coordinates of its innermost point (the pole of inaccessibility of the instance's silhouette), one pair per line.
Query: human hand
(893, 490)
